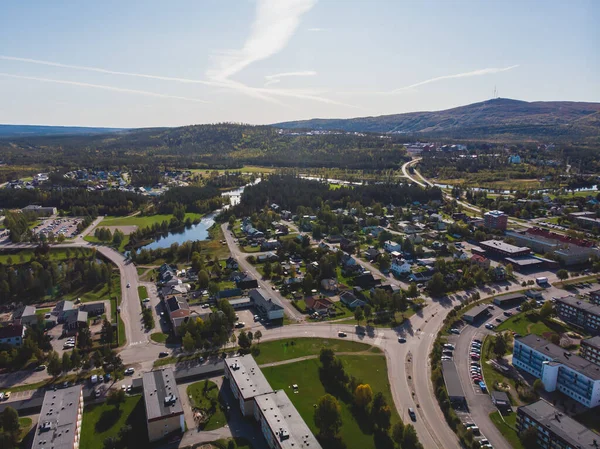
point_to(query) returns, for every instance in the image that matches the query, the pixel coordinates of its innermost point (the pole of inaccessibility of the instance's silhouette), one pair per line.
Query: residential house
(246, 282)
(499, 273)
(329, 285)
(170, 290)
(400, 267)
(348, 260)
(371, 254)
(74, 320)
(61, 308)
(12, 334)
(178, 310)
(334, 239)
(480, 261)
(351, 301)
(423, 276)
(25, 315)
(231, 264)
(366, 281)
(319, 305)
(391, 246)
(347, 245)
(269, 257)
(93, 308)
(270, 245)
(460, 255)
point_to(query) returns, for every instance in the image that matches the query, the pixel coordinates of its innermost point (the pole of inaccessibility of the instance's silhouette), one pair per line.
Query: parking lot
(58, 226)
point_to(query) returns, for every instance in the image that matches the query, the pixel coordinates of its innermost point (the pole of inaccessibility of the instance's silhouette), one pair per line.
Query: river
(198, 231)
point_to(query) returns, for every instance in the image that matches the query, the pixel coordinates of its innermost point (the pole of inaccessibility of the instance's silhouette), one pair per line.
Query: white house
(460, 255)
(391, 246)
(399, 267)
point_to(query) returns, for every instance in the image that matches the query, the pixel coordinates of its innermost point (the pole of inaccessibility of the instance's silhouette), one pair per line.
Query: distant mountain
(497, 119)
(12, 131)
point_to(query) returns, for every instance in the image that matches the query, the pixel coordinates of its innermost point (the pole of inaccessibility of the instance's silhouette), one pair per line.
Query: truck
(541, 281)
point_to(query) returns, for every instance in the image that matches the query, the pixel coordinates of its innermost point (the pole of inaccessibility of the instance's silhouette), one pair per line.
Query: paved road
(246, 266)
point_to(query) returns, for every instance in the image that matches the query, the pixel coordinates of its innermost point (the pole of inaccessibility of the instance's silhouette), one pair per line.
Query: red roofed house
(319, 305)
(480, 261)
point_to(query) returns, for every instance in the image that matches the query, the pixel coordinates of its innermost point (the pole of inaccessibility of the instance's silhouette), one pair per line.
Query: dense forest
(221, 145)
(290, 193)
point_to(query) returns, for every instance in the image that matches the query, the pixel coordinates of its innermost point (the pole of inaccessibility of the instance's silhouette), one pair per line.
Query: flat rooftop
(593, 341)
(285, 422)
(499, 245)
(524, 261)
(58, 419)
(510, 297)
(560, 424)
(580, 304)
(452, 380)
(476, 311)
(161, 397)
(562, 356)
(248, 377)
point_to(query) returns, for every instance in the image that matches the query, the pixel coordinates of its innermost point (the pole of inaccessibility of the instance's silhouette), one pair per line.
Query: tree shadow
(107, 419)
(382, 440)
(365, 424)
(331, 442)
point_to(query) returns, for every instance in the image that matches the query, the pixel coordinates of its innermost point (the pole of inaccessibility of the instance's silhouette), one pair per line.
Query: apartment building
(555, 429)
(59, 424)
(495, 219)
(279, 421)
(590, 349)
(558, 369)
(578, 313)
(164, 412)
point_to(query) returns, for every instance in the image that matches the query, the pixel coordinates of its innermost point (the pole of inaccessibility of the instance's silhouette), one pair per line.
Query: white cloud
(316, 30)
(101, 86)
(275, 23)
(480, 72)
(276, 78)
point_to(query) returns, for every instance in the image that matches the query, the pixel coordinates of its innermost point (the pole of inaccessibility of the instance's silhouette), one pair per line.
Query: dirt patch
(124, 229)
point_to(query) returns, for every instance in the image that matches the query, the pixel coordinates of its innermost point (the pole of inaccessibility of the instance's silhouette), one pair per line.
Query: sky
(141, 63)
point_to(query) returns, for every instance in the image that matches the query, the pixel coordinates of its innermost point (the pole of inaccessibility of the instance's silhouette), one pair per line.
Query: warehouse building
(510, 300)
(454, 388)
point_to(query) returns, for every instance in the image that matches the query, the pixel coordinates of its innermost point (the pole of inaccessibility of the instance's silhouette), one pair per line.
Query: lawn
(213, 247)
(507, 428)
(142, 292)
(159, 337)
(25, 426)
(120, 248)
(142, 221)
(102, 421)
(251, 249)
(530, 323)
(491, 376)
(205, 396)
(368, 369)
(293, 348)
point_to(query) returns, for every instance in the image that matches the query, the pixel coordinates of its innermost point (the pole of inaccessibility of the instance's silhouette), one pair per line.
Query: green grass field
(102, 421)
(159, 337)
(293, 348)
(142, 221)
(507, 428)
(202, 399)
(368, 369)
(25, 426)
(529, 323)
(491, 376)
(142, 292)
(244, 169)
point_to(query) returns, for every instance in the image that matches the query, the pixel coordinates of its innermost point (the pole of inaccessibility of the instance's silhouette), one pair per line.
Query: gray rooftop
(593, 341)
(476, 311)
(561, 355)
(510, 297)
(453, 385)
(285, 422)
(579, 304)
(248, 377)
(261, 301)
(503, 246)
(160, 395)
(57, 426)
(565, 427)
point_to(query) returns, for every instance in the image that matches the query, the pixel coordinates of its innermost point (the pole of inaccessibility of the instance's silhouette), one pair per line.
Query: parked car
(341, 334)
(129, 372)
(449, 346)
(508, 313)
(455, 331)
(128, 285)
(40, 368)
(489, 326)
(401, 340)
(163, 354)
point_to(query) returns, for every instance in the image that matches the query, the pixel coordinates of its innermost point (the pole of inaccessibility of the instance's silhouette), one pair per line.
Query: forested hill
(7, 131)
(499, 119)
(225, 144)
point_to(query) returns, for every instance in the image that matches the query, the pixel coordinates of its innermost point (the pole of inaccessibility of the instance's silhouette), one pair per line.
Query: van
(541, 281)
(94, 379)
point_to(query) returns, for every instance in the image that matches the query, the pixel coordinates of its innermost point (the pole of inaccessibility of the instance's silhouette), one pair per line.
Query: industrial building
(558, 369)
(503, 249)
(59, 424)
(164, 412)
(578, 313)
(555, 429)
(270, 308)
(40, 211)
(510, 300)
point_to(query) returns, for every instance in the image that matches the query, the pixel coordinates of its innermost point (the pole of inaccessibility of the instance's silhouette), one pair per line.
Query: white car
(449, 346)
(129, 371)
